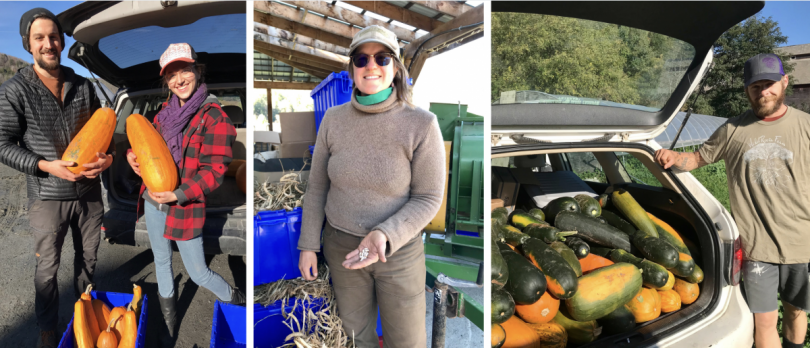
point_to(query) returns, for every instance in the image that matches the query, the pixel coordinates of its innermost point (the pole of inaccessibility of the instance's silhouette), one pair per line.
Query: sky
(792, 19)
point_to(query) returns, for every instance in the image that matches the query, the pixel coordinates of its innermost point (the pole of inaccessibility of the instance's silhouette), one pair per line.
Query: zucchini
(502, 306)
(569, 256)
(579, 332)
(512, 235)
(503, 246)
(600, 251)
(560, 204)
(657, 250)
(500, 272)
(560, 277)
(580, 248)
(499, 215)
(521, 220)
(546, 233)
(588, 205)
(538, 214)
(618, 321)
(593, 230)
(652, 274)
(628, 206)
(527, 283)
(696, 277)
(615, 220)
(685, 264)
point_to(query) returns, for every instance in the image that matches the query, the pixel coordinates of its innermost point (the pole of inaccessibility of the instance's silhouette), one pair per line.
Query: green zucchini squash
(579, 332)
(580, 248)
(499, 214)
(615, 220)
(697, 275)
(512, 235)
(546, 233)
(500, 272)
(521, 220)
(502, 306)
(538, 214)
(588, 205)
(653, 275)
(619, 321)
(602, 291)
(527, 283)
(561, 279)
(592, 230)
(569, 256)
(685, 264)
(657, 250)
(560, 204)
(600, 251)
(627, 205)
(503, 246)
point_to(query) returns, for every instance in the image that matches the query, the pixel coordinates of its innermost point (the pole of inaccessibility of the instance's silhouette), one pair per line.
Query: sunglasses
(382, 59)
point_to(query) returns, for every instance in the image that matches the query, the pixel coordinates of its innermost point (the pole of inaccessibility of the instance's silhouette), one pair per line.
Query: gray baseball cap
(763, 66)
(375, 33)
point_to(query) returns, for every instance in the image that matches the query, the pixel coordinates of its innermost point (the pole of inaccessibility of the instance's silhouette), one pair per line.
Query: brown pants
(397, 287)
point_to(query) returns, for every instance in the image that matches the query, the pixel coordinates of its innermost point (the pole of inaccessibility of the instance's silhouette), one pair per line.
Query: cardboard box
(497, 203)
(505, 185)
(266, 137)
(297, 127)
(295, 150)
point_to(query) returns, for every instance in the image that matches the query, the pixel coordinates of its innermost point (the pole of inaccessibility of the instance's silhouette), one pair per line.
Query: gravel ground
(118, 267)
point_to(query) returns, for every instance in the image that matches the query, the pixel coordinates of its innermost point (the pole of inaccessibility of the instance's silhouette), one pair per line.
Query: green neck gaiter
(374, 98)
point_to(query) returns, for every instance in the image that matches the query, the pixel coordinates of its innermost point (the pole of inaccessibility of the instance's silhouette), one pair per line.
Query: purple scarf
(173, 118)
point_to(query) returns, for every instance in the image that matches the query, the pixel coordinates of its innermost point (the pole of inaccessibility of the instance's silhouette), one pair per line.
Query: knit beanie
(29, 17)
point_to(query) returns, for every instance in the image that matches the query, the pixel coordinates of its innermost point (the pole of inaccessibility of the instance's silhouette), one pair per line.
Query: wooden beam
(452, 8)
(398, 13)
(352, 17)
(298, 28)
(312, 68)
(314, 21)
(284, 40)
(476, 15)
(284, 85)
(307, 53)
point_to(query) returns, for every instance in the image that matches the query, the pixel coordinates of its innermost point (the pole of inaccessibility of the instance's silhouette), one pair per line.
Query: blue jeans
(193, 258)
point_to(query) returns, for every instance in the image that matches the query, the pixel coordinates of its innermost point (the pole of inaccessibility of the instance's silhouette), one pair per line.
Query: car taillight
(736, 262)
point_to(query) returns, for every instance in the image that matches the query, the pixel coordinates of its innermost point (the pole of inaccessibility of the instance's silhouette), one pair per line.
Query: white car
(558, 145)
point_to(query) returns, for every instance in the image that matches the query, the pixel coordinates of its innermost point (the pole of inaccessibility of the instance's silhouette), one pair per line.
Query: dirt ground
(118, 267)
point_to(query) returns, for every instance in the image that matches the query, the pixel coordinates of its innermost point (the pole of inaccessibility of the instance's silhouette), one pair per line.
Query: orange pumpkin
(539, 312)
(592, 262)
(107, 338)
(129, 331)
(670, 301)
(158, 170)
(646, 305)
(498, 336)
(102, 313)
(519, 334)
(81, 326)
(94, 137)
(137, 299)
(552, 334)
(241, 177)
(118, 325)
(90, 314)
(689, 292)
(234, 166)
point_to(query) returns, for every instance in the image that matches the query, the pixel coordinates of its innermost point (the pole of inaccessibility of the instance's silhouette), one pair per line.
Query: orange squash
(158, 170)
(234, 166)
(129, 331)
(519, 334)
(539, 312)
(552, 334)
(92, 322)
(118, 325)
(102, 313)
(137, 299)
(94, 137)
(498, 336)
(592, 262)
(689, 292)
(107, 338)
(670, 301)
(81, 326)
(241, 177)
(646, 305)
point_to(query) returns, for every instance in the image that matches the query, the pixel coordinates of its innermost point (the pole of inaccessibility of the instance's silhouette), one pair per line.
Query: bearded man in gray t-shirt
(768, 170)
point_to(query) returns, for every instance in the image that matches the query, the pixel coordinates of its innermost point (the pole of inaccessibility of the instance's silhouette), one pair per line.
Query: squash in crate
(539, 312)
(107, 338)
(158, 170)
(90, 314)
(646, 305)
(116, 317)
(519, 334)
(552, 335)
(689, 292)
(498, 336)
(670, 301)
(81, 327)
(579, 332)
(94, 137)
(129, 331)
(137, 299)
(602, 291)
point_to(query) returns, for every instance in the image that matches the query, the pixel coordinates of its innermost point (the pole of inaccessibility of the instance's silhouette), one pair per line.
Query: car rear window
(216, 34)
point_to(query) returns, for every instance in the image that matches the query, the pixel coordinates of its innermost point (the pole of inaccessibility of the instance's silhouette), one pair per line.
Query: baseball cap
(29, 16)
(763, 66)
(181, 52)
(375, 33)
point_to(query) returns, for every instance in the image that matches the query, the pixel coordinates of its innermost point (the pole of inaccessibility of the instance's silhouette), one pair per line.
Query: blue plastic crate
(228, 328)
(275, 245)
(112, 299)
(268, 323)
(311, 150)
(335, 90)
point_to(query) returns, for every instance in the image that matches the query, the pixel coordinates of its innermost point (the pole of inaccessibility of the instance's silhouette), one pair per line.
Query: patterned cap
(375, 33)
(177, 52)
(764, 66)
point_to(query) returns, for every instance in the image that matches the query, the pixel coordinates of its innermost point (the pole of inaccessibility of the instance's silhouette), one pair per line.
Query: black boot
(237, 297)
(168, 307)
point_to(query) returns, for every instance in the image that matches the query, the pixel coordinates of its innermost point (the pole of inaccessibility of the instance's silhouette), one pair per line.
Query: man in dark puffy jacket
(41, 109)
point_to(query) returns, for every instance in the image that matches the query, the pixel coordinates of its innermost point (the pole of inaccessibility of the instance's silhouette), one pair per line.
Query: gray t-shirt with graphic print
(768, 170)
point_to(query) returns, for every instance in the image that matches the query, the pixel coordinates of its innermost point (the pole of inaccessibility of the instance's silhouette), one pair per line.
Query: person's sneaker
(47, 339)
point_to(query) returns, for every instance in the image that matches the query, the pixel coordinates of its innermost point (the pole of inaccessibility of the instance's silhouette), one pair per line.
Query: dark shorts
(762, 281)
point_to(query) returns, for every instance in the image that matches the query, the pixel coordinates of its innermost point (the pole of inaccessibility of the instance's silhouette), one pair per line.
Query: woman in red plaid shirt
(199, 136)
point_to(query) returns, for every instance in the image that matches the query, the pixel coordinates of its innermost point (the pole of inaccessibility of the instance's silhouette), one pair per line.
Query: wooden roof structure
(299, 43)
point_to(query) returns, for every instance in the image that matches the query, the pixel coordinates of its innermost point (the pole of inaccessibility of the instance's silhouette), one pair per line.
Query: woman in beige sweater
(377, 177)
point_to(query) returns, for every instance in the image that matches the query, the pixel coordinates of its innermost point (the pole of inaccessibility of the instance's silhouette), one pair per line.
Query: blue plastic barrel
(112, 299)
(335, 90)
(275, 245)
(228, 327)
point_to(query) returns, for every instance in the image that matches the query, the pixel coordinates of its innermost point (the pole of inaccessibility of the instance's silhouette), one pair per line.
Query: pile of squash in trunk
(96, 326)
(573, 271)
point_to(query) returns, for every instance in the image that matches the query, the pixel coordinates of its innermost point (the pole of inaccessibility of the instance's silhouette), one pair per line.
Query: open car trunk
(548, 171)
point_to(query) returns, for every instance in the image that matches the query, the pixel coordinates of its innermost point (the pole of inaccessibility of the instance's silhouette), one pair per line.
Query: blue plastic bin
(275, 245)
(311, 150)
(335, 90)
(228, 328)
(268, 323)
(112, 299)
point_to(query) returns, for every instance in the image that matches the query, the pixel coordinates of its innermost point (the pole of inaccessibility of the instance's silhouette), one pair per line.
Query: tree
(723, 91)
(260, 107)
